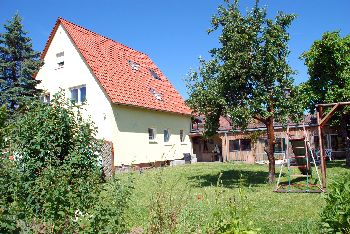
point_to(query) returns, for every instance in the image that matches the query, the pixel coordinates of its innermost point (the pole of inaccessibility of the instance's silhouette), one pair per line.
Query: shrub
(56, 155)
(9, 178)
(336, 214)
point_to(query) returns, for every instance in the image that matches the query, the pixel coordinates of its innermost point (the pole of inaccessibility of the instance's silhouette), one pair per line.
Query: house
(131, 102)
(249, 146)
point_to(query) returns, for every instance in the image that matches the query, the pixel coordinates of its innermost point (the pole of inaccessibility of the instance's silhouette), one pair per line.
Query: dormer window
(60, 59)
(134, 66)
(157, 95)
(154, 74)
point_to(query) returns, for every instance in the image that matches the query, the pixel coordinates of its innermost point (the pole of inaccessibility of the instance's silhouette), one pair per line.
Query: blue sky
(173, 33)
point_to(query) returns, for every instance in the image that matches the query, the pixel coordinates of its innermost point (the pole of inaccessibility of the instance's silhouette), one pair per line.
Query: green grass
(269, 211)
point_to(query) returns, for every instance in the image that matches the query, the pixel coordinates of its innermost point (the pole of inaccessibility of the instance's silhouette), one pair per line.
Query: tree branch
(264, 121)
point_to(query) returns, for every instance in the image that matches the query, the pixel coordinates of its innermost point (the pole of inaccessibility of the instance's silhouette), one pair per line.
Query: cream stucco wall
(132, 144)
(126, 127)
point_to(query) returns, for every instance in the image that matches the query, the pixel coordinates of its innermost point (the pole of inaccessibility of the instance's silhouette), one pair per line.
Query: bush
(9, 178)
(56, 157)
(336, 214)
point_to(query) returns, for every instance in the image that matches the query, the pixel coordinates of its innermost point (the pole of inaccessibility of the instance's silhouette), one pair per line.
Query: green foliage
(248, 78)
(57, 155)
(3, 120)
(54, 183)
(54, 135)
(249, 75)
(18, 65)
(328, 62)
(174, 207)
(108, 213)
(336, 213)
(9, 178)
(56, 158)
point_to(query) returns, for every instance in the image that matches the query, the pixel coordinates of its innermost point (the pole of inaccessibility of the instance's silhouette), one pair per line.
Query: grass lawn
(193, 188)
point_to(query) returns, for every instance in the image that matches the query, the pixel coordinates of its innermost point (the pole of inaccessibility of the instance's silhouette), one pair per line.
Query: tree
(328, 62)
(248, 77)
(18, 65)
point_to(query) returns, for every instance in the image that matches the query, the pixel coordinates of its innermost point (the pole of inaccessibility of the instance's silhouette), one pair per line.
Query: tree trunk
(344, 133)
(270, 149)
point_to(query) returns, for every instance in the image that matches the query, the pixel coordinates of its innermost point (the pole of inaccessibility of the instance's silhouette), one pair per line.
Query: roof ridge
(107, 59)
(62, 19)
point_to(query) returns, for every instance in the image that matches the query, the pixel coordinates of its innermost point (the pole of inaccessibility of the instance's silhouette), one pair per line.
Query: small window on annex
(246, 145)
(166, 135)
(78, 94)
(182, 136)
(233, 145)
(280, 145)
(154, 74)
(151, 134)
(60, 59)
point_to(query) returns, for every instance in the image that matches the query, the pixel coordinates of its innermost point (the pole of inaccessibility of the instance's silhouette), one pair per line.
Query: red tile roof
(109, 61)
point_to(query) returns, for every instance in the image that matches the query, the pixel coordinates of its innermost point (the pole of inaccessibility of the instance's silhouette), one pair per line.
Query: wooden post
(320, 139)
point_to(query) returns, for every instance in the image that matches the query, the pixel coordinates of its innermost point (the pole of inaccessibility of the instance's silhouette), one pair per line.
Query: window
(337, 143)
(325, 142)
(233, 145)
(154, 74)
(74, 95)
(78, 95)
(60, 59)
(82, 94)
(166, 135)
(157, 95)
(134, 66)
(245, 144)
(182, 135)
(45, 98)
(151, 134)
(280, 145)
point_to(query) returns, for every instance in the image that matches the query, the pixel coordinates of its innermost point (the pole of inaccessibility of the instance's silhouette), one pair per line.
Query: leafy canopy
(328, 62)
(248, 76)
(18, 65)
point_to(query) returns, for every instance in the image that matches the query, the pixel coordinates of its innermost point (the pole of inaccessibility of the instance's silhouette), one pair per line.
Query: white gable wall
(73, 74)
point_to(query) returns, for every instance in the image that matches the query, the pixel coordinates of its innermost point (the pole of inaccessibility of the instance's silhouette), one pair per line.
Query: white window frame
(79, 94)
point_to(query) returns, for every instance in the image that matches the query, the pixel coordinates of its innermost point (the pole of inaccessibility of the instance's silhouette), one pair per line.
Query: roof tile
(109, 61)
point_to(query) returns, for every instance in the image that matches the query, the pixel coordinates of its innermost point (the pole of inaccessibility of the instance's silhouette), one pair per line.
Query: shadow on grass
(231, 179)
(336, 163)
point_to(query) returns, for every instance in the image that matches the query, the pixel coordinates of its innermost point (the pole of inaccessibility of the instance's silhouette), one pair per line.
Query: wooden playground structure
(300, 156)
